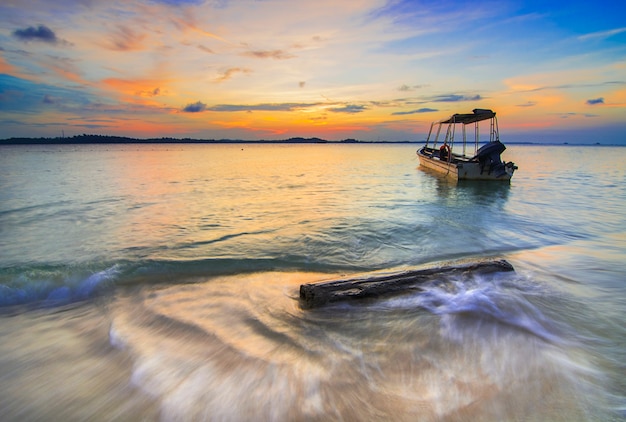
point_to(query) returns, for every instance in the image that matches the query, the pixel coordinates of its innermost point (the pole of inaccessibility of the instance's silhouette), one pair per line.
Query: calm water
(160, 282)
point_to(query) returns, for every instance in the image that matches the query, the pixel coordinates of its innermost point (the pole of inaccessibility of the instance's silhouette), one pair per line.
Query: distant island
(107, 139)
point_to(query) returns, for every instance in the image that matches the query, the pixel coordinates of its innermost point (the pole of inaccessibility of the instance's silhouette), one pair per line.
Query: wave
(220, 350)
(497, 298)
(59, 284)
(54, 285)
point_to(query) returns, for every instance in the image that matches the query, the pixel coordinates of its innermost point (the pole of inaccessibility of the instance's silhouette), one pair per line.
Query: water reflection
(478, 191)
(153, 222)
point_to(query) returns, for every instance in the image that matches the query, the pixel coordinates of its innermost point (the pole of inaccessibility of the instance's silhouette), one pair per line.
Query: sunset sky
(554, 71)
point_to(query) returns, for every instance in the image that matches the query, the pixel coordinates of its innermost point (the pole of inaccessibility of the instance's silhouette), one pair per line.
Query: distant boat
(484, 164)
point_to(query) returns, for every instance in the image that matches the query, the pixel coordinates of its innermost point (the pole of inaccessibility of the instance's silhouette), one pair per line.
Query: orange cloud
(188, 23)
(7, 68)
(125, 39)
(63, 68)
(231, 124)
(616, 99)
(269, 54)
(229, 73)
(136, 89)
(67, 73)
(530, 125)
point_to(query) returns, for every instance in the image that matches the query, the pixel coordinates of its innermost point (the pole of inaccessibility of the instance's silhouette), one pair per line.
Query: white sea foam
(224, 354)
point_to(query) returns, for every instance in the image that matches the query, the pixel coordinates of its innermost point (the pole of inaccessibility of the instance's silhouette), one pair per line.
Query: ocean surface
(160, 282)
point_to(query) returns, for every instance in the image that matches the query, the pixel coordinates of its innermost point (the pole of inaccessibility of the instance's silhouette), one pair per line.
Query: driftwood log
(313, 295)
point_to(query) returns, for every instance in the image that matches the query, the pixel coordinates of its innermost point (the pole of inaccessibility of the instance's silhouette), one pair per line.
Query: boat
(484, 164)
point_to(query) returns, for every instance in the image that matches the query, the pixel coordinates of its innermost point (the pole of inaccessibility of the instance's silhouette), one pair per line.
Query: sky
(373, 70)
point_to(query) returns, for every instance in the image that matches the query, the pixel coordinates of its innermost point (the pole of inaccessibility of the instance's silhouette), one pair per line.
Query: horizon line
(86, 139)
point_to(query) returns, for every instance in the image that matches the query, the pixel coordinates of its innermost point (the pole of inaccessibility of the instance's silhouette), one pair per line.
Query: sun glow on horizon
(373, 70)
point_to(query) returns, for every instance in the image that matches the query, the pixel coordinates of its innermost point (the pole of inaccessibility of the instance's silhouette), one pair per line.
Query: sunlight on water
(161, 282)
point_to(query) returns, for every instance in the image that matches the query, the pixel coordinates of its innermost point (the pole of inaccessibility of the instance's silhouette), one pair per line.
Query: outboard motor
(489, 158)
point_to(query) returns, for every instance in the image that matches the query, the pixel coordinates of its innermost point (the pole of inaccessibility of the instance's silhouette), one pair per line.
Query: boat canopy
(477, 115)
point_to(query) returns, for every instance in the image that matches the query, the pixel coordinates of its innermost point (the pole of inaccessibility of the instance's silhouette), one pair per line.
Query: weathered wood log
(317, 294)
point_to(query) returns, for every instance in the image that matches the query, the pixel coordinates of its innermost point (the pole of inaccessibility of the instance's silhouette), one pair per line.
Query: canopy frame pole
(429, 133)
(437, 136)
(464, 141)
(476, 135)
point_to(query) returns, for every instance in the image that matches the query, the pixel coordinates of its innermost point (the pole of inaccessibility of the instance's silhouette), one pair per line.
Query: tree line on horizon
(109, 139)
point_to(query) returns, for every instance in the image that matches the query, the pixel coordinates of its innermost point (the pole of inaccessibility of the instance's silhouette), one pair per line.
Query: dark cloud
(149, 93)
(47, 99)
(528, 104)
(229, 73)
(301, 84)
(406, 88)
(125, 39)
(269, 54)
(595, 101)
(453, 98)
(567, 115)
(195, 107)
(421, 110)
(574, 86)
(351, 108)
(206, 49)
(41, 33)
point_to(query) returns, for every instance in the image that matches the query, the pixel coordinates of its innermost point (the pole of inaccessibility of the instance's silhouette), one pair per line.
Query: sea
(160, 282)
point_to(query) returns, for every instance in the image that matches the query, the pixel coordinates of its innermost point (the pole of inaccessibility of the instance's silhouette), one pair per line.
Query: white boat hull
(461, 168)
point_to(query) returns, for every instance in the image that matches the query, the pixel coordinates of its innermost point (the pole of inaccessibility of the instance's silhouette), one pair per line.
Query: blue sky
(369, 69)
